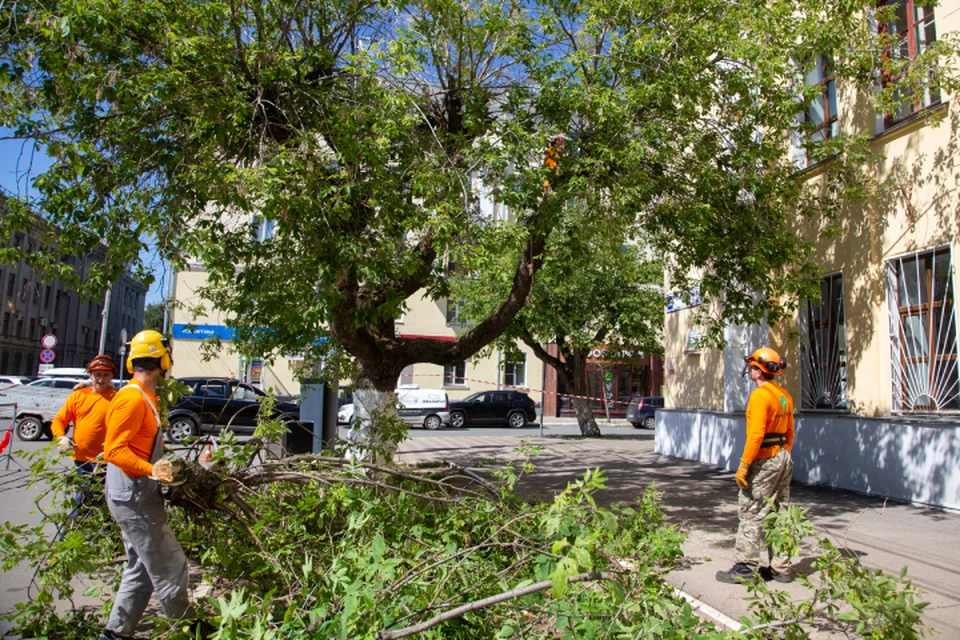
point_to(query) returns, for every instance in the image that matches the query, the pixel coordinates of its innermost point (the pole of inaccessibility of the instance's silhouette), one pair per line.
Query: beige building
(874, 371)
(425, 318)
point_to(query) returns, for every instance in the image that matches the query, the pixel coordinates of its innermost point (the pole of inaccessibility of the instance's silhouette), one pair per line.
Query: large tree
(597, 288)
(357, 129)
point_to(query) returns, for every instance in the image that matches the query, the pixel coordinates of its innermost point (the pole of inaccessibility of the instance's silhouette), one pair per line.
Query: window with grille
(824, 348)
(515, 373)
(911, 30)
(923, 332)
(455, 375)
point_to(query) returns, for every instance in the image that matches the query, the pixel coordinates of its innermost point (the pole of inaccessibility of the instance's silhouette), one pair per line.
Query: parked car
(513, 408)
(12, 381)
(221, 403)
(640, 412)
(37, 404)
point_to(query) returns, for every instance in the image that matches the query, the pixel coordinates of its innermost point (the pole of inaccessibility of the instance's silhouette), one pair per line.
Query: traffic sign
(49, 341)
(47, 356)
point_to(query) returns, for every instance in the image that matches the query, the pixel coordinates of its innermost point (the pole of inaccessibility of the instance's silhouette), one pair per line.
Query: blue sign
(47, 356)
(202, 331)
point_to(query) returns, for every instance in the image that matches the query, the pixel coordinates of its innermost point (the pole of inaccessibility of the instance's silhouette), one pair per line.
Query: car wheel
(432, 422)
(517, 420)
(649, 422)
(181, 427)
(457, 419)
(29, 428)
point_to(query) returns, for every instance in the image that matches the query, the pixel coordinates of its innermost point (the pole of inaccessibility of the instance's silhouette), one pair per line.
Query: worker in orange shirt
(766, 468)
(86, 408)
(133, 449)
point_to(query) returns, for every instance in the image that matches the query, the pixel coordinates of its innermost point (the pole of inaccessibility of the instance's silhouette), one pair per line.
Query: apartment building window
(6, 322)
(19, 326)
(11, 284)
(46, 298)
(33, 329)
(911, 30)
(455, 375)
(923, 332)
(515, 373)
(454, 312)
(406, 376)
(824, 348)
(23, 289)
(821, 113)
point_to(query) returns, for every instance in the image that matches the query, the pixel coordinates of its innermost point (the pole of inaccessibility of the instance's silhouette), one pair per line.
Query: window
(33, 329)
(911, 30)
(923, 332)
(823, 345)
(11, 283)
(46, 298)
(455, 375)
(6, 323)
(515, 373)
(406, 376)
(454, 312)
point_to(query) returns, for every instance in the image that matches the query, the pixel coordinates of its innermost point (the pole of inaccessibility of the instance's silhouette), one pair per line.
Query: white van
(427, 407)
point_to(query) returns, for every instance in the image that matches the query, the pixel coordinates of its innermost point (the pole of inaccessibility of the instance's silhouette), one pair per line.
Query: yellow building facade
(872, 365)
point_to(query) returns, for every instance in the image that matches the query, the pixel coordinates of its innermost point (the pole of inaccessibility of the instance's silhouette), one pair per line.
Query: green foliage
(153, 316)
(315, 549)
(785, 528)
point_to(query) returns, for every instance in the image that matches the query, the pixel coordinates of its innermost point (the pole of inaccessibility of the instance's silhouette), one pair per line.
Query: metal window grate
(824, 348)
(923, 332)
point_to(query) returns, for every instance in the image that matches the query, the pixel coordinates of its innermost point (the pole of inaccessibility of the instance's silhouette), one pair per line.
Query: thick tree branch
(592, 576)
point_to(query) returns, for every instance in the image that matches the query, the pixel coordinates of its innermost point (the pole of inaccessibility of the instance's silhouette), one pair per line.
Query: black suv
(641, 410)
(221, 403)
(494, 407)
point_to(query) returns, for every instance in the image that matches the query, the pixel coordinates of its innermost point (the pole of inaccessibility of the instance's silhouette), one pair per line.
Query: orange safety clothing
(131, 430)
(87, 410)
(770, 410)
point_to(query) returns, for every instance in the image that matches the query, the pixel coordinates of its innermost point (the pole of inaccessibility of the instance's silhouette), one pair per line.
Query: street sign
(47, 356)
(49, 341)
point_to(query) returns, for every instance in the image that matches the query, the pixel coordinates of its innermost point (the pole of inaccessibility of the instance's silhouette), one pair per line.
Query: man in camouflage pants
(766, 468)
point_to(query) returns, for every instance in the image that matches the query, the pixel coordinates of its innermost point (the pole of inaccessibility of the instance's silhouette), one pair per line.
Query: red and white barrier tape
(497, 386)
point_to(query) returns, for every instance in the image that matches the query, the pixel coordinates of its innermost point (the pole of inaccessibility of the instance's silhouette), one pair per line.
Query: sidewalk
(702, 501)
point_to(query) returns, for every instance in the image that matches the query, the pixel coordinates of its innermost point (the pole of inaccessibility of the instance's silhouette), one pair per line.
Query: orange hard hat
(102, 362)
(767, 360)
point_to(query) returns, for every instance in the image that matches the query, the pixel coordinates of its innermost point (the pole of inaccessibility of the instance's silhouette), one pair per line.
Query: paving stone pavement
(701, 501)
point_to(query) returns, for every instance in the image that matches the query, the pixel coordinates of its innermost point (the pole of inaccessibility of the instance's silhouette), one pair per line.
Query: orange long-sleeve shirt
(131, 431)
(770, 410)
(87, 410)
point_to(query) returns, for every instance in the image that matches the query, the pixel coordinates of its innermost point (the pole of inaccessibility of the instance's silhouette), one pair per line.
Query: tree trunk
(375, 431)
(577, 370)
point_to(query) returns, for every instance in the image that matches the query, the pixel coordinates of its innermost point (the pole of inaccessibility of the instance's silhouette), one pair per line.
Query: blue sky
(21, 163)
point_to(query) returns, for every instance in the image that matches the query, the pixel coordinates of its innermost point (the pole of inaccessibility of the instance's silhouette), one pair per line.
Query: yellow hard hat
(767, 360)
(149, 344)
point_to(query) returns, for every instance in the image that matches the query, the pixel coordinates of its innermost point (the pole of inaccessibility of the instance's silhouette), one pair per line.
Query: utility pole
(106, 319)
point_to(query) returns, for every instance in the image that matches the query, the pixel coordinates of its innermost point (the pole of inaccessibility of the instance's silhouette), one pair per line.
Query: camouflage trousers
(767, 478)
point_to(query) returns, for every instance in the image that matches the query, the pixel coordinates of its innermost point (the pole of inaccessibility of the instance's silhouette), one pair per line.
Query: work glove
(162, 471)
(742, 475)
(65, 444)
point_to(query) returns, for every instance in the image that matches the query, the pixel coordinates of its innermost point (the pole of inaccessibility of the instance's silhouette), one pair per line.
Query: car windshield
(476, 397)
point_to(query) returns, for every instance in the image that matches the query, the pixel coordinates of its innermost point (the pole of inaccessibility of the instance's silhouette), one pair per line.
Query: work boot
(739, 572)
(769, 573)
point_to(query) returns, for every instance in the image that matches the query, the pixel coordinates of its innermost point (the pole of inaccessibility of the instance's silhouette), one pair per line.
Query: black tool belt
(774, 439)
